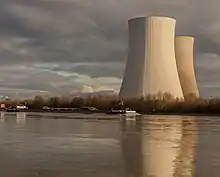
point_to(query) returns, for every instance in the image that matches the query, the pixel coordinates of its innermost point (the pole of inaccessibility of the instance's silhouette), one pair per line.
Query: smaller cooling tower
(184, 58)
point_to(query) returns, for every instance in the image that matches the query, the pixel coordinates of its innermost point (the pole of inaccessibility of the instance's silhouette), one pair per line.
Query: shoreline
(103, 112)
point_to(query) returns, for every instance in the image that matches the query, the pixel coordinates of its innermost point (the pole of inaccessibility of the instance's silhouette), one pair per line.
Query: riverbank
(96, 116)
(151, 105)
(100, 112)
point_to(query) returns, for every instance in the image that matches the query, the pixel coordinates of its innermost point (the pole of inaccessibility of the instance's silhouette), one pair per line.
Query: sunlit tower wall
(161, 72)
(151, 64)
(184, 46)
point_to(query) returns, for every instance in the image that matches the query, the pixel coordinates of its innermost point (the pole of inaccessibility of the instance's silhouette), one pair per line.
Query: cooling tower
(134, 76)
(185, 66)
(151, 64)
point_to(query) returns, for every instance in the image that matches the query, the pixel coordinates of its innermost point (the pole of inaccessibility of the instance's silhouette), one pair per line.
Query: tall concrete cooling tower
(151, 64)
(184, 58)
(134, 75)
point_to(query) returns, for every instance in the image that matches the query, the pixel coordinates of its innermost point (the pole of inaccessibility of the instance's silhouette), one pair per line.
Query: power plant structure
(151, 66)
(185, 65)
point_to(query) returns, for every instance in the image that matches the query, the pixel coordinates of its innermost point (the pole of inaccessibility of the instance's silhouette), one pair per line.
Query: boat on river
(126, 111)
(121, 110)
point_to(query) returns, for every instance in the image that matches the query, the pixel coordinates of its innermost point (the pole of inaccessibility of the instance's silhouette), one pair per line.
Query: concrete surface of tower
(151, 64)
(185, 65)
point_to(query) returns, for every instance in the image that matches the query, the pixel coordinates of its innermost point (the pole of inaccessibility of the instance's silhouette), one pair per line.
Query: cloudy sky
(69, 45)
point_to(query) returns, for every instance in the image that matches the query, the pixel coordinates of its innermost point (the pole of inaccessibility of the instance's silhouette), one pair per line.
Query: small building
(3, 106)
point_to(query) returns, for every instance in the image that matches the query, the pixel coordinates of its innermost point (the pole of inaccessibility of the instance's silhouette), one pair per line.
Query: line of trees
(160, 103)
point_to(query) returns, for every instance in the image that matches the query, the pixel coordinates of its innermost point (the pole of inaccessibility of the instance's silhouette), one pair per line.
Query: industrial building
(185, 64)
(135, 71)
(151, 65)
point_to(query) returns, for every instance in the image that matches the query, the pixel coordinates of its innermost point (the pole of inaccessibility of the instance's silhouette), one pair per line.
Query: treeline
(160, 103)
(102, 102)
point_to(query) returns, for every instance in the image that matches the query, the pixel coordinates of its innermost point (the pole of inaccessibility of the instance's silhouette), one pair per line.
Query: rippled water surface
(56, 145)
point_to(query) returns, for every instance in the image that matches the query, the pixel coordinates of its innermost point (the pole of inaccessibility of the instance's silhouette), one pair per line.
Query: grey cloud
(79, 42)
(207, 72)
(49, 78)
(94, 70)
(96, 31)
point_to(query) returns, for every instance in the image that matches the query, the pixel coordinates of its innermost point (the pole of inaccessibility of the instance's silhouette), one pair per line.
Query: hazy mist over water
(161, 146)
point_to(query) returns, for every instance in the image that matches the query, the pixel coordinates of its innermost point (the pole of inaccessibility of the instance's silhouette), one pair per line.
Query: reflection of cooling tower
(184, 59)
(151, 65)
(184, 163)
(131, 149)
(160, 146)
(160, 149)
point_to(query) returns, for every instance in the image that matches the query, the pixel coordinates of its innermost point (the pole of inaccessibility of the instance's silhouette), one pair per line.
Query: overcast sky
(67, 45)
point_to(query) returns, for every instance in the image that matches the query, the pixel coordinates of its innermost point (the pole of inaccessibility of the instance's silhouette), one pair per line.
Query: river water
(41, 145)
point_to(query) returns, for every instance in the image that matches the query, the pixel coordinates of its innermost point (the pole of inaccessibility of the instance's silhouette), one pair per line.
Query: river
(48, 145)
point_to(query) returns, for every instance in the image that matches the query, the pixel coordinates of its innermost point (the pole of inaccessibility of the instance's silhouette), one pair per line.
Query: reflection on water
(160, 145)
(2, 117)
(131, 148)
(21, 118)
(164, 147)
(186, 156)
(155, 146)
